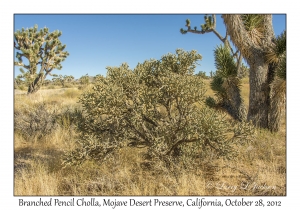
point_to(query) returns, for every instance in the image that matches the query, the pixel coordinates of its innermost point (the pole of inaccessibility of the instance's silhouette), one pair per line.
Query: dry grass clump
(260, 169)
(72, 93)
(28, 183)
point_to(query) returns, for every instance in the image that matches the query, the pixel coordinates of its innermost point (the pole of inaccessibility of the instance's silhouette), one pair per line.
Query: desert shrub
(158, 106)
(84, 80)
(34, 121)
(68, 118)
(211, 102)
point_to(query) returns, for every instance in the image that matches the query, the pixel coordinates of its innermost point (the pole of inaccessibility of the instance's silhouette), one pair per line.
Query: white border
(8, 8)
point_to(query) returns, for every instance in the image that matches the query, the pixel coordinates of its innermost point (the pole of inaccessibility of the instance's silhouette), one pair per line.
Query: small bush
(210, 102)
(34, 121)
(69, 118)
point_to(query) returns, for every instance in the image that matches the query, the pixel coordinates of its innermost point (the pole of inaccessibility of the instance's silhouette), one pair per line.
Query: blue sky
(97, 41)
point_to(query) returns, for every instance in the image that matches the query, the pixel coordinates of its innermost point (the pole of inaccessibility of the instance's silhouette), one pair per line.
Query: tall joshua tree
(253, 35)
(41, 49)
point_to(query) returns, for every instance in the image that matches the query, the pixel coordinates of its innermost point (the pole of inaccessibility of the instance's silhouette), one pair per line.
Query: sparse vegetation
(65, 81)
(202, 74)
(157, 129)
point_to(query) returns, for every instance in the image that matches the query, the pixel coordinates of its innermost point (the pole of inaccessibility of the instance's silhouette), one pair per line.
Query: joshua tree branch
(199, 32)
(22, 64)
(17, 47)
(218, 35)
(213, 29)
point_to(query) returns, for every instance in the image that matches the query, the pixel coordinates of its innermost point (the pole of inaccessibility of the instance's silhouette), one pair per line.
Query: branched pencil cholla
(158, 105)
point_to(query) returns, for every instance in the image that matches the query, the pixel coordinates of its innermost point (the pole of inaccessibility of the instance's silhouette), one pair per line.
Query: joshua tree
(18, 81)
(278, 87)
(253, 35)
(226, 85)
(41, 49)
(225, 82)
(68, 79)
(62, 79)
(210, 26)
(244, 71)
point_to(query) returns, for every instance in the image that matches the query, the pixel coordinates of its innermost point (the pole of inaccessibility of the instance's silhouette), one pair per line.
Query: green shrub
(210, 102)
(155, 106)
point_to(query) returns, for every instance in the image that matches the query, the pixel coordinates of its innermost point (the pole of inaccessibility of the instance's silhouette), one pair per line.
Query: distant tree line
(60, 81)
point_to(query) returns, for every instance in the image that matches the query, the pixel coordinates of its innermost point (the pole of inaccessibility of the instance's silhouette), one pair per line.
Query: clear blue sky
(97, 41)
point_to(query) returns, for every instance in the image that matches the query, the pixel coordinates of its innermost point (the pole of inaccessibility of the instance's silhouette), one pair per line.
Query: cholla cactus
(158, 105)
(40, 48)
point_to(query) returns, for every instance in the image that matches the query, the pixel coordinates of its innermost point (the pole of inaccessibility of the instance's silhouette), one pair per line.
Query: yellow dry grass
(259, 170)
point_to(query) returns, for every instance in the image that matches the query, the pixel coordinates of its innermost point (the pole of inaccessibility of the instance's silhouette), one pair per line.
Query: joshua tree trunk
(259, 91)
(36, 84)
(254, 53)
